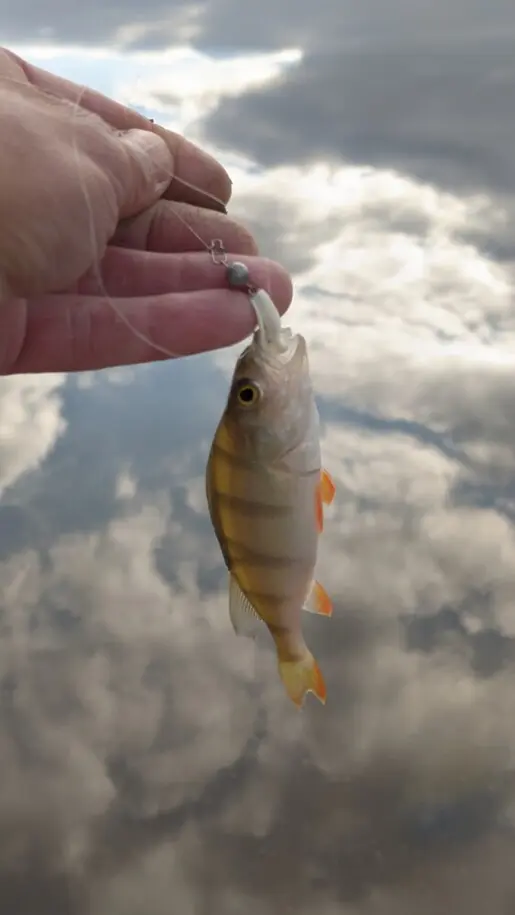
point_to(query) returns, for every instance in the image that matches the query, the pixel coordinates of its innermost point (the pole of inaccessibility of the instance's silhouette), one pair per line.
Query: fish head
(271, 410)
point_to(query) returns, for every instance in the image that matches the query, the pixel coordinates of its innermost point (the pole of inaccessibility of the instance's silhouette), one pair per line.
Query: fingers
(206, 183)
(11, 66)
(130, 274)
(70, 333)
(139, 165)
(170, 226)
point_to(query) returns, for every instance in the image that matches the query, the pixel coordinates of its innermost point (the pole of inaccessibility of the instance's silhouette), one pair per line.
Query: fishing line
(238, 278)
(94, 248)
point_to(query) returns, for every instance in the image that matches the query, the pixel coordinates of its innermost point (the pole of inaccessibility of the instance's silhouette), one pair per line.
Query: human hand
(96, 252)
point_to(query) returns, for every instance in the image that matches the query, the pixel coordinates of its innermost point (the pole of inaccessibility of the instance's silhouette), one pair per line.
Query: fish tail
(302, 676)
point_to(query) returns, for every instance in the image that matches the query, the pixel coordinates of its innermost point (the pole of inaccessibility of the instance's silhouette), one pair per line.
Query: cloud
(443, 114)
(201, 80)
(101, 689)
(58, 23)
(148, 753)
(224, 23)
(30, 424)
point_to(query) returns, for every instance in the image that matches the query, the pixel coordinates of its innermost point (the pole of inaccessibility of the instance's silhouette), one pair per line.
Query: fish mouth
(293, 346)
(279, 353)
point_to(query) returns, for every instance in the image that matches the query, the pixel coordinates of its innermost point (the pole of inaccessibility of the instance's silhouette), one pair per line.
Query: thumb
(143, 171)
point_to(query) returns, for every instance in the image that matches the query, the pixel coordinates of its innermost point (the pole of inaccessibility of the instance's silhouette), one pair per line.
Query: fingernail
(154, 156)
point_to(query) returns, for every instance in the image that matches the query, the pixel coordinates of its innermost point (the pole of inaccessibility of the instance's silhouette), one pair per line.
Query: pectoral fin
(324, 495)
(327, 487)
(244, 618)
(318, 601)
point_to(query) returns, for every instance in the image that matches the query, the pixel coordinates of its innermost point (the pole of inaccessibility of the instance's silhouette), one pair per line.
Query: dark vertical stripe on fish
(252, 508)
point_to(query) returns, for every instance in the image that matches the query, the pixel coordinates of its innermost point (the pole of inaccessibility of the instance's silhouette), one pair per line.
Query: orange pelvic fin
(318, 601)
(301, 677)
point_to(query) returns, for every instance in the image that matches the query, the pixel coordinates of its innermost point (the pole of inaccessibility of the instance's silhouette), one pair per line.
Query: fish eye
(248, 393)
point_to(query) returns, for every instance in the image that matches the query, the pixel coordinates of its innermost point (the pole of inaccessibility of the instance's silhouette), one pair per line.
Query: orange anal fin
(327, 487)
(301, 677)
(319, 601)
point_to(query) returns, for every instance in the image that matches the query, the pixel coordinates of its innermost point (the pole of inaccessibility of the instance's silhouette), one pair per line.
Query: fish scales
(266, 524)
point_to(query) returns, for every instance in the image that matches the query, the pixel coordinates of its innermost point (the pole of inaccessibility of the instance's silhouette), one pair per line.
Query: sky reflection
(150, 760)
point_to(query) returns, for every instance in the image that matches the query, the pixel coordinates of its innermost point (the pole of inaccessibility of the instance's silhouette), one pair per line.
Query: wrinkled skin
(95, 204)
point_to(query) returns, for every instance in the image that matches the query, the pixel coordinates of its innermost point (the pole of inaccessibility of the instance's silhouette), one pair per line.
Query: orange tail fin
(301, 677)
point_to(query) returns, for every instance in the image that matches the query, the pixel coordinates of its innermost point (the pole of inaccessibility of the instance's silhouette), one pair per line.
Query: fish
(266, 491)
